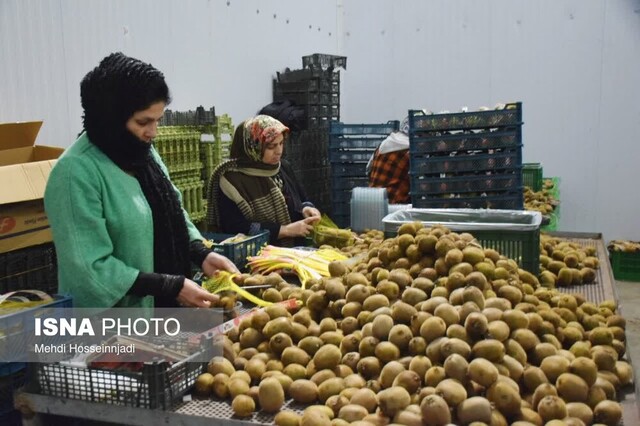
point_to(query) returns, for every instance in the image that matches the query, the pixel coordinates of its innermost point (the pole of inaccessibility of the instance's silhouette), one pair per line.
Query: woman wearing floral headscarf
(255, 190)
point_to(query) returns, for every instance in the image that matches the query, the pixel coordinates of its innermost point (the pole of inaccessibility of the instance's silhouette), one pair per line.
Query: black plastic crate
(349, 169)
(307, 74)
(331, 111)
(511, 115)
(199, 117)
(33, 268)
(495, 182)
(343, 221)
(341, 196)
(159, 385)
(314, 85)
(424, 142)
(342, 183)
(307, 98)
(506, 201)
(324, 61)
(466, 163)
(316, 174)
(320, 123)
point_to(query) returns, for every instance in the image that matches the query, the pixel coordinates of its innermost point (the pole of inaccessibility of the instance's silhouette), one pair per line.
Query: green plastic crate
(625, 266)
(553, 224)
(532, 176)
(555, 191)
(513, 233)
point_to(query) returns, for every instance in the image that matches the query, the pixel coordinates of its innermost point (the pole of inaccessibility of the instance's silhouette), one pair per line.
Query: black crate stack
(350, 148)
(467, 159)
(316, 89)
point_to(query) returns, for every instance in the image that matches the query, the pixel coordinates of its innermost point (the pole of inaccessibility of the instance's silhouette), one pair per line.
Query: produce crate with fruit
(625, 259)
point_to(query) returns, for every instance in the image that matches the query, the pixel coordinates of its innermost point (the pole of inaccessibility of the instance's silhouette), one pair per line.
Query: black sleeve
(198, 252)
(157, 285)
(232, 221)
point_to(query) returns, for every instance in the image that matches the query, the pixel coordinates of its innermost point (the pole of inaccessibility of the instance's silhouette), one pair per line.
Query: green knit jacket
(102, 227)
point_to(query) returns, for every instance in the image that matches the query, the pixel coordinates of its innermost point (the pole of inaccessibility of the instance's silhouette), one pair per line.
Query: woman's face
(144, 124)
(273, 151)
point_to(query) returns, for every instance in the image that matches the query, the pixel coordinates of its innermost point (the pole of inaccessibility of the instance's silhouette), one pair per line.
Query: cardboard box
(24, 170)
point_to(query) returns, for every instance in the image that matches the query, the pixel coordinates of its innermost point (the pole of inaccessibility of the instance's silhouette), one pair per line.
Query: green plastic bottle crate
(625, 266)
(532, 176)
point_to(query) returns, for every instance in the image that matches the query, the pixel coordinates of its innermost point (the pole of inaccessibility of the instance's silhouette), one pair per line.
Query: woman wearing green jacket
(122, 237)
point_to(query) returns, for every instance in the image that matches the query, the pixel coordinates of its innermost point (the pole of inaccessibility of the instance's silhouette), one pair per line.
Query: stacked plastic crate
(316, 89)
(467, 159)
(350, 148)
(306, 152)
(215, 146)
(179, 147)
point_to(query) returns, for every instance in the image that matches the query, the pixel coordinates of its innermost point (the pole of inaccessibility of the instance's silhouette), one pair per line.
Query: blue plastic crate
(18, 326)
(360, 142)
(421, 142)
(342, 183)
(466, 163)
(8, 385)
(238, 252)
(364, 129)
(7, 368)
(511, 181)
(341, 196)
(349, 169)
(511, 115)
(505, 201)
(350, 156)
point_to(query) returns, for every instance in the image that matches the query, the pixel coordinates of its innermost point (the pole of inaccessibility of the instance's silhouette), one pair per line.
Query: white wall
(574, 64)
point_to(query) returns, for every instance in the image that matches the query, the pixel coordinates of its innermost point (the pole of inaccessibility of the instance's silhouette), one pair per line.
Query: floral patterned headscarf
(260, 131)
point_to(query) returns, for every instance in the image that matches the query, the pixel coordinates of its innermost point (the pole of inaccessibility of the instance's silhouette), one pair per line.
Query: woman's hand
(310, 212)
(194, 296)
(215, 262)
(301, 228)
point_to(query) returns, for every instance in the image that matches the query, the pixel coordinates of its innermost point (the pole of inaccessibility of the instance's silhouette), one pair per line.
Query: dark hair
(118, 87)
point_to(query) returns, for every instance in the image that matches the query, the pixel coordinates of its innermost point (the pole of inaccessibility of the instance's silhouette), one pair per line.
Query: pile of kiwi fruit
(427, 329)
(564, 263)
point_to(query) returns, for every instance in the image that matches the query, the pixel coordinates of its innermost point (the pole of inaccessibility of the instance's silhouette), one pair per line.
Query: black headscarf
(111, 93)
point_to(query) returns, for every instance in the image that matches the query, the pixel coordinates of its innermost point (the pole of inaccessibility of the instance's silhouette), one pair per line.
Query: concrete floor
(629, 300)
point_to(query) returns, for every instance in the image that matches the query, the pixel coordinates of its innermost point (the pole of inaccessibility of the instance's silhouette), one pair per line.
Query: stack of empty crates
(467, 159)
(178, 143)
(215, 146)
(316, 89)
(350, 148)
